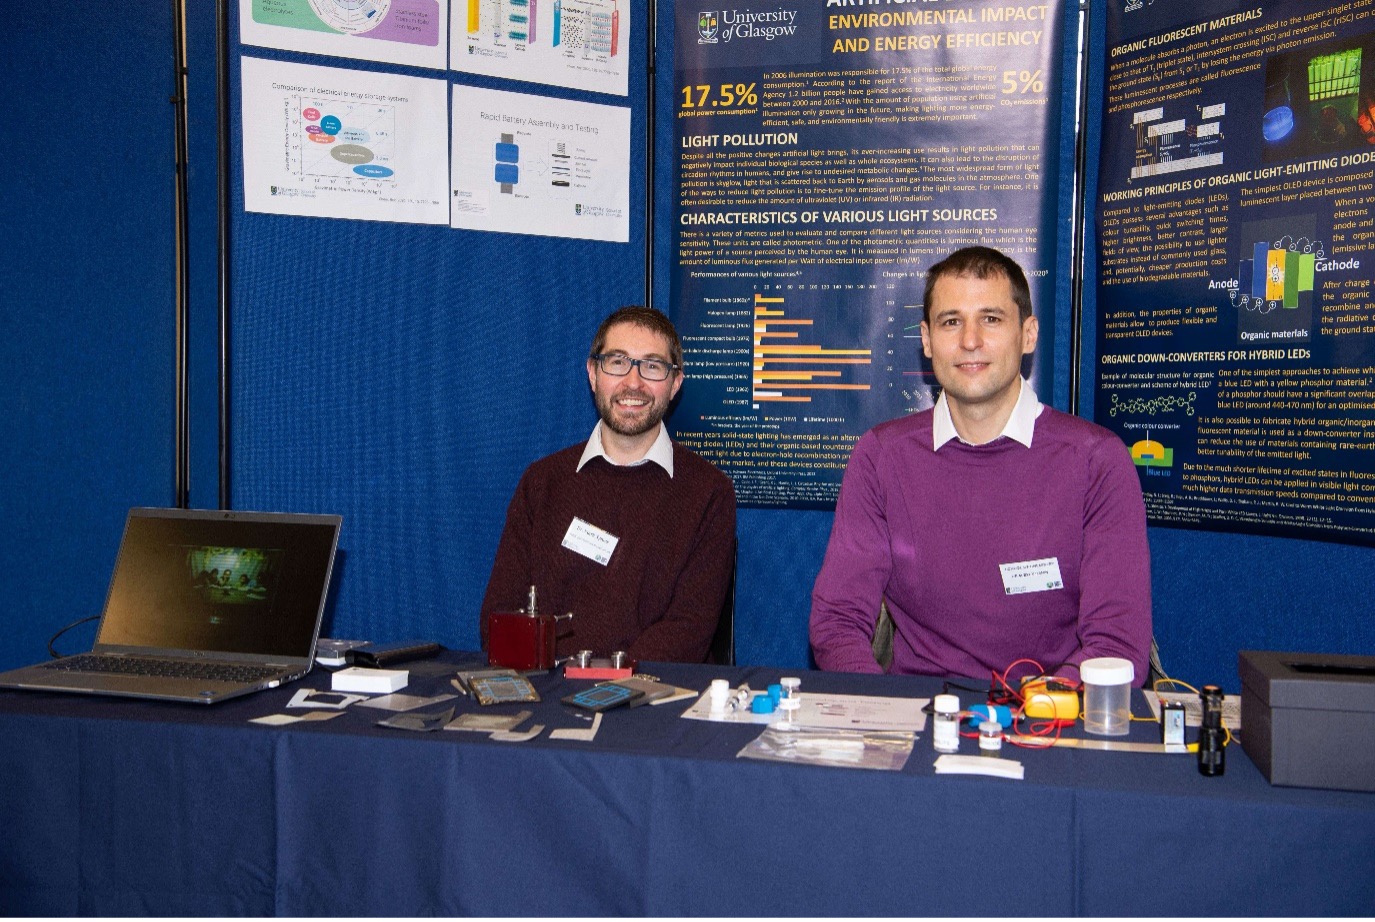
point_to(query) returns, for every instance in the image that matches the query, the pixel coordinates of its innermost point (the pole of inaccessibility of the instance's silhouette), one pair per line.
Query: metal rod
(222, 269)
(182, 268)
(652, 25)
(1078, 257)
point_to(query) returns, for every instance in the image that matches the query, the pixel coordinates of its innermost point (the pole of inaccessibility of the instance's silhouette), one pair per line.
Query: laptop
(203, 606)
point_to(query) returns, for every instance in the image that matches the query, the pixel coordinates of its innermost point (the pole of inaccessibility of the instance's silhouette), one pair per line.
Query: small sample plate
(602, 697)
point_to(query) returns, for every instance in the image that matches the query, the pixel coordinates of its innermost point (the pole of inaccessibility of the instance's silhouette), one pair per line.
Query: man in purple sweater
(632, 533)
(993, 527)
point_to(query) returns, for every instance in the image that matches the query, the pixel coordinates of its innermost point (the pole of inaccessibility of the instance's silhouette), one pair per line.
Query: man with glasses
(632, 533)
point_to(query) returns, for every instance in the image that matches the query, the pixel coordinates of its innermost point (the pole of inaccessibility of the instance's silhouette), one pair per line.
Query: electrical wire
(1048, 729)
(1155, 687)
(53, 639)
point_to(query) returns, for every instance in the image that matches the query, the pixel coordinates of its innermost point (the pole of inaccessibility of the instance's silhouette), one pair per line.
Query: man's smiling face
(975, 340)
(630, 405)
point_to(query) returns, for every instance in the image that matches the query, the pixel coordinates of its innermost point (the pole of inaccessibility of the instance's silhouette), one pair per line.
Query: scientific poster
(582, 44)
(328, 143)
(410, 32)
(1236, 251)
(527, 164)
(827, 155)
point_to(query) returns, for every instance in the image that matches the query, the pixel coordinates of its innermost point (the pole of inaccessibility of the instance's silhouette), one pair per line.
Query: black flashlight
(1212, 756)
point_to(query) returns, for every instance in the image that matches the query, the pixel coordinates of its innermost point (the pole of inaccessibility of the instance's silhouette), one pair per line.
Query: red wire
(1001, 678)
(1040, 729)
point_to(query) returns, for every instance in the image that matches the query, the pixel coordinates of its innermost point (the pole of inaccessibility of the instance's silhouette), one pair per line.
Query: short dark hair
(647, 318)
(980, 263)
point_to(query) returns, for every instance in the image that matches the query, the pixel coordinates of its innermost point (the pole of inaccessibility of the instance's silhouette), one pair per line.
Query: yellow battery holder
(1049, 699)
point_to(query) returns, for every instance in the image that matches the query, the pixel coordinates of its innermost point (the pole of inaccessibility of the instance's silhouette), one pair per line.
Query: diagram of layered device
(1276, 274)
(558, 165)
(512, 20)
(588, 26)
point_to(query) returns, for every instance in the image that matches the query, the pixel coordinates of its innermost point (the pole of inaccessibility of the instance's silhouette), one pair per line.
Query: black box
(1308, 719)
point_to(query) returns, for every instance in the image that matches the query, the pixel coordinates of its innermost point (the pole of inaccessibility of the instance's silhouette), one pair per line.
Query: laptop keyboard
(176, 669)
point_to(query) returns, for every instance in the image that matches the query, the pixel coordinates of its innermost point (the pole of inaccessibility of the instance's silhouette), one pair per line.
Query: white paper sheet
(330, 143)
(414, 32)
(527, 164)
(574, 43)
(830, 712)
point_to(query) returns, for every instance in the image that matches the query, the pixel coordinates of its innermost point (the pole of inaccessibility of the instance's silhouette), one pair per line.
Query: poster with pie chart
(411, 32)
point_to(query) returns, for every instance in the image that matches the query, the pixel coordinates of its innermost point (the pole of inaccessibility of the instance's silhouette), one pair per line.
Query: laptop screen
(220, 582)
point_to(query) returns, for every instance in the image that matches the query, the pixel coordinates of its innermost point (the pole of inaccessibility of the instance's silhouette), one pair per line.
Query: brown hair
(981, 263)
(648, 318)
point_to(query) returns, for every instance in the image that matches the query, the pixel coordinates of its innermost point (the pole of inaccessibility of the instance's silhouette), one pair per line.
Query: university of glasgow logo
(707, 28)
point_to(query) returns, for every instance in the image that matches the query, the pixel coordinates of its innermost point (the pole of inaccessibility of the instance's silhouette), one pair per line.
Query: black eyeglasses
(619, 365)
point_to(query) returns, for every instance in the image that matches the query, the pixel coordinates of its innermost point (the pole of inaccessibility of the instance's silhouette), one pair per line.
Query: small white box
(370, 681)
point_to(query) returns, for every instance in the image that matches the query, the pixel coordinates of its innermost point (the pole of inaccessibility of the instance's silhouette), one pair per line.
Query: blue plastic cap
(981, 712)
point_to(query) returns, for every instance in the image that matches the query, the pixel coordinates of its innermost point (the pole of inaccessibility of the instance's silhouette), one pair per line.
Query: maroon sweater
(660, 594)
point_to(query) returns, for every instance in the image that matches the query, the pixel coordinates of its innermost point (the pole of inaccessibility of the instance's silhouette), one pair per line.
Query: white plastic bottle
(945, 724)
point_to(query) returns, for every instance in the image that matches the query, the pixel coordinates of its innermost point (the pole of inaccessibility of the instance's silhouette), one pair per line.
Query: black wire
(53, 639)
(978, 691)
(945, 690)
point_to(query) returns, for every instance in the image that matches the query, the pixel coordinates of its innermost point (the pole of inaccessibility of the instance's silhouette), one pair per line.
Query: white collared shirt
(1019, 427)
(661, 452)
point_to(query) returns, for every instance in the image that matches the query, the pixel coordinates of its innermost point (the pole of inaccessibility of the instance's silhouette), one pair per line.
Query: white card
(1031, 576)
(280, 720)
(590, 541)
(582, 736)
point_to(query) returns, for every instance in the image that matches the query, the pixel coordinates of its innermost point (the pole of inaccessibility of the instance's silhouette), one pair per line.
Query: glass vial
(990, 738)
(945, 725)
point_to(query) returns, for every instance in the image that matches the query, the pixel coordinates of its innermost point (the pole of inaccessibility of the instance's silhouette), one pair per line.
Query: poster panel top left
(413, 32)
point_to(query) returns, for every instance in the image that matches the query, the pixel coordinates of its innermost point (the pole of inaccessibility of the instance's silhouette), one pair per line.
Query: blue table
(115, 807)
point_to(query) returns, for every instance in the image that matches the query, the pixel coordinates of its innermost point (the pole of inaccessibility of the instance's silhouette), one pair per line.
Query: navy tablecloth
(118, 807)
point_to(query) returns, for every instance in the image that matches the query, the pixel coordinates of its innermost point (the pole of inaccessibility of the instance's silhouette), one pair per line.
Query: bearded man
(630, 532)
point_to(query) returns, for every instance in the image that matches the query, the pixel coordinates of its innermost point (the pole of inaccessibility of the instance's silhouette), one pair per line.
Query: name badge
(1031, 576)
(590, 541)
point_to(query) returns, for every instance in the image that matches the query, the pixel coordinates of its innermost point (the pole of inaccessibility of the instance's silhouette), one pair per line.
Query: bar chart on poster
(786, 367)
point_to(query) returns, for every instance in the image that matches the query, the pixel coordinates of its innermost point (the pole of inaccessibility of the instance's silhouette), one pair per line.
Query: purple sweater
(661, 593)
(926, 530)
